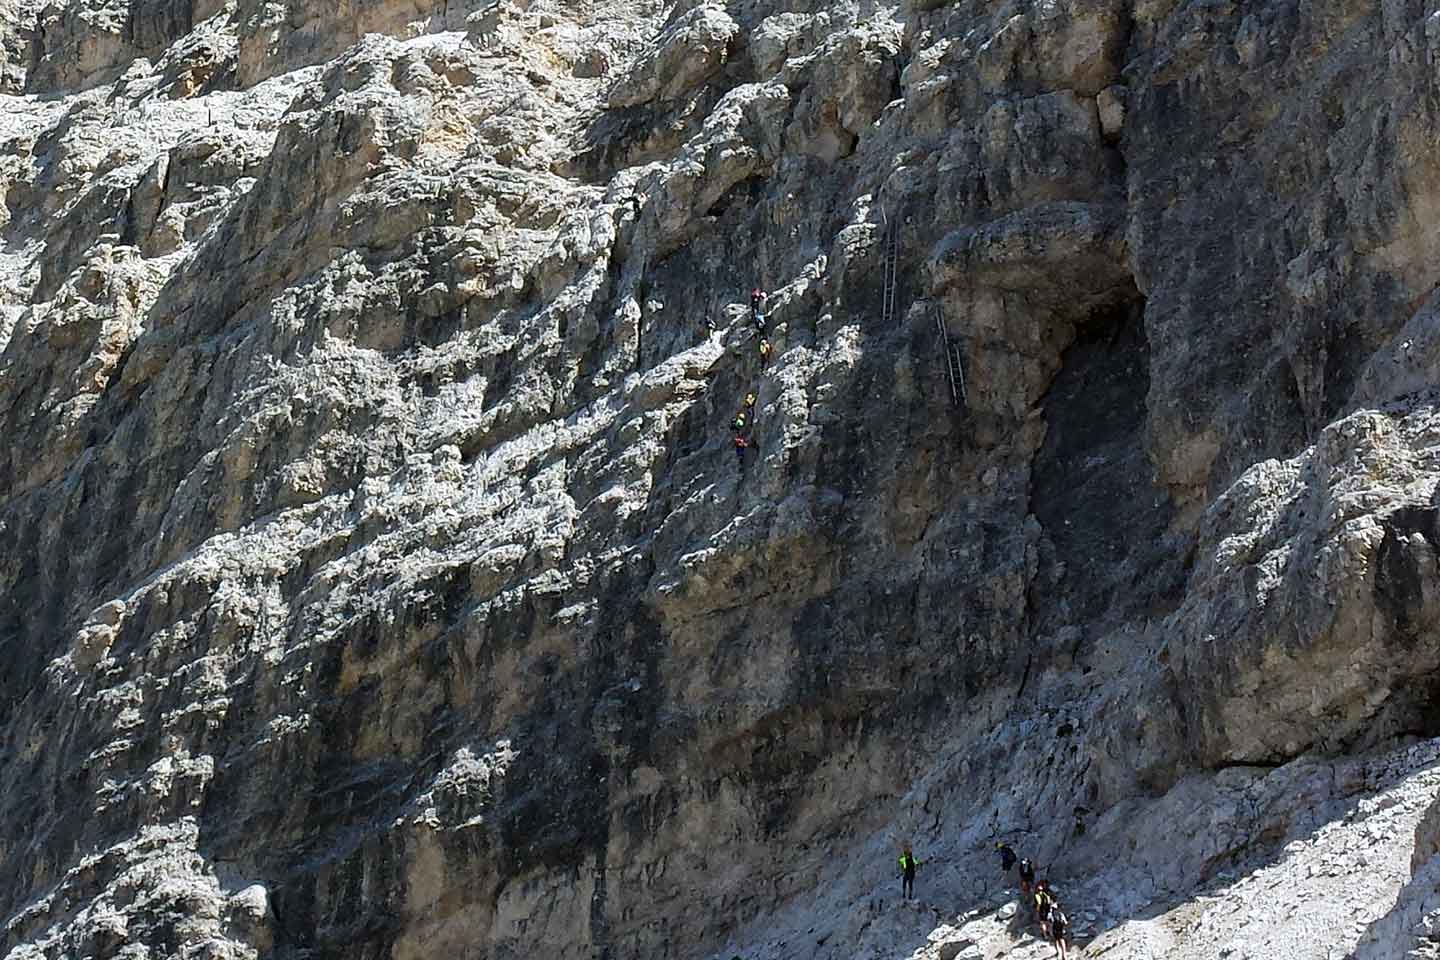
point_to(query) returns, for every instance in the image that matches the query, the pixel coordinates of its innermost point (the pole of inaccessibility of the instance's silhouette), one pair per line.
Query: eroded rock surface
(380, 578)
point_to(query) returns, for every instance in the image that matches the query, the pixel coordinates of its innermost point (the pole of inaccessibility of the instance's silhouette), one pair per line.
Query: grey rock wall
(381, 580)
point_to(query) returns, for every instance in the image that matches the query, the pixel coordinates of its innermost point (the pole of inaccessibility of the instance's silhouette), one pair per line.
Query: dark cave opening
(1104, 519)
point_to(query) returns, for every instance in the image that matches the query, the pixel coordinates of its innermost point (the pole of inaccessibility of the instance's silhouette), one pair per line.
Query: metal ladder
(890, 267)
(954, 364)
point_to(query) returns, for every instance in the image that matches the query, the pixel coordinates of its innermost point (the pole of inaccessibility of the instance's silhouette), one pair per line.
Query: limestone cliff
(380, 579)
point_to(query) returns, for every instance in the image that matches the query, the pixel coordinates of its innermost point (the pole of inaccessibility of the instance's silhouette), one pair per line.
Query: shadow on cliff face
(1405, 595)
(1104, 550)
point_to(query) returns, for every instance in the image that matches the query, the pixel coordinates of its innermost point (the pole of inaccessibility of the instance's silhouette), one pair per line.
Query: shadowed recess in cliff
(1103, 518)
(1405, 568)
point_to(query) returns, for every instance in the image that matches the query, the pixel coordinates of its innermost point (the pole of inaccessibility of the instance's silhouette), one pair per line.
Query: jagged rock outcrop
(381, 578)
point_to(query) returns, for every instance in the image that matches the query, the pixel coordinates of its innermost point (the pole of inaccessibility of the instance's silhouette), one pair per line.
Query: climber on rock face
(740, 445)
(765, 350)
(738, 423)
(749, 401)
(908, 865)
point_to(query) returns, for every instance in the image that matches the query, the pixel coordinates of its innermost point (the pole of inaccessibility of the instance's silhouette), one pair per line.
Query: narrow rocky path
(1315, 893)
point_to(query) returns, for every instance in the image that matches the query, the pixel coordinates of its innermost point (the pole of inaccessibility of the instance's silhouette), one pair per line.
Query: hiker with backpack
(1007, 859)
(1044, 900)
(1059, 928)
(908, 866)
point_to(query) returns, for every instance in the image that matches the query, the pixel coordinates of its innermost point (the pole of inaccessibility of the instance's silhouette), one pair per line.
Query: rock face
(381, 580)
